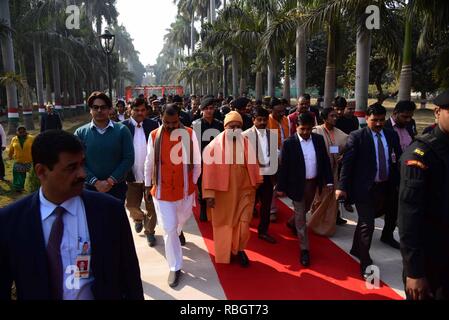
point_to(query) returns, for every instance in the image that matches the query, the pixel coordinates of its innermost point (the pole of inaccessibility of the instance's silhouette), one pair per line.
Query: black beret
(442, 100)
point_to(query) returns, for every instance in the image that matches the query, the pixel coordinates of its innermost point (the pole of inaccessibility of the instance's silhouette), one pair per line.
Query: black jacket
(292, 172)
(423, 216)
(23, 257)
(201, 125)
(148, 126)
(359, 165)
(50, 122)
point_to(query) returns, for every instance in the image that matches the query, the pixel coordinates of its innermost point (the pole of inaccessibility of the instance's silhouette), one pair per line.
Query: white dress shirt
(76, 232)
(387, 154)
(102, 130)
(140, 152)
(263, 147)
(308, 149)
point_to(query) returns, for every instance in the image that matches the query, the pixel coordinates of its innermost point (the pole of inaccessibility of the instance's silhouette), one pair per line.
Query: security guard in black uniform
(424, 210)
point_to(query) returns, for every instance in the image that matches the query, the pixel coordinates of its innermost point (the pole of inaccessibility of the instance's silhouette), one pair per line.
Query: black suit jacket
(316, 111)
(23, 256)
(292, 172)
(411, 127)
(51, 122)
(359, 165)
(148, 126)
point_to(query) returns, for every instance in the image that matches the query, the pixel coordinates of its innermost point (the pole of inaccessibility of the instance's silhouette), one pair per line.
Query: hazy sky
(146, 21)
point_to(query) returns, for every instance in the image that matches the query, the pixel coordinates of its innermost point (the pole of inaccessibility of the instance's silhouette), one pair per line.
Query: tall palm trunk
(47, 81)
(301, 59)
(37, 50)
(192, 32)
(259, 85)
(225, 77)
(72, 95)
(235, 71)
(56, 80)
(270, 80)
(286, 93)
(363, 50)
(242, 85)
(225, 68)
(209, 83)
(330, 80)
(27, 107)
(9, 67)
(405, 79)
(270, 73)
(213, 12)
(65, 93)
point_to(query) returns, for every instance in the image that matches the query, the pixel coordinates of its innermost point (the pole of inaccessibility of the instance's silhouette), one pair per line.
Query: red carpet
(276, 274)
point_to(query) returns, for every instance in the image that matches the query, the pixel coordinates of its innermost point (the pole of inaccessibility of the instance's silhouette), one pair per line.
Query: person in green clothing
(20, 152)
(108, 147)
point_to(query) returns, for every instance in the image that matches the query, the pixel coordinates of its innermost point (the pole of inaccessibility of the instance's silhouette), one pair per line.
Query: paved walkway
(200, 280)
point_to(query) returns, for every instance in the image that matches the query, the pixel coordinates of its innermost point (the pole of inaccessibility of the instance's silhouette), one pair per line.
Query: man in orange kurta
(172, 168)
(230, 179)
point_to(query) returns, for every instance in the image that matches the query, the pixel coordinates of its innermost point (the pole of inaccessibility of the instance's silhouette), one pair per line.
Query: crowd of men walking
(159, 151)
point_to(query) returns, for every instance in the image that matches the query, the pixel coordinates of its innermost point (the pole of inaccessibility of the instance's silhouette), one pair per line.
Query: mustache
(79, 181)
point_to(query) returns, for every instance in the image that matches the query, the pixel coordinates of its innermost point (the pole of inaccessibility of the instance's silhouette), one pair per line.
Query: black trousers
(203, 203)
(117, 191)
(380, 202)
(264, 195)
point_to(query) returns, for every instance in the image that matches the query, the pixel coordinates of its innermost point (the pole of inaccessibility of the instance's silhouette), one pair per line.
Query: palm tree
(405, 80)
(9, 67)
(101, 9)
(236, 32)
(327, 12)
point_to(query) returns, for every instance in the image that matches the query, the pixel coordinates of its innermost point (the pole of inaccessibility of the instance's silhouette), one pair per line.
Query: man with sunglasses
(108, 147)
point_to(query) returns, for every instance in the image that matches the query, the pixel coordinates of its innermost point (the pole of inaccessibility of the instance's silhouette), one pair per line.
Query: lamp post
(107, 40)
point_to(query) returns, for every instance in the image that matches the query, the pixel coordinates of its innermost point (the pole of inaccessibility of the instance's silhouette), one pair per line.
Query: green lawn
(7, 194)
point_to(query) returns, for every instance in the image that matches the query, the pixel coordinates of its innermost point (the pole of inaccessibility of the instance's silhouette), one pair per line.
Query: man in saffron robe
(172, 168)
(230, 179)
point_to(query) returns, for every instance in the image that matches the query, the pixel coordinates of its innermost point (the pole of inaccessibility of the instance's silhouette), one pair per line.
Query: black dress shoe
(292, 228)
(341, 221)
(138, 226)
(305, 258)
(364, 272)
(244, 261)
(182, 239)
(391, 242)
(173, 278)
(151, 239)
(267, 238)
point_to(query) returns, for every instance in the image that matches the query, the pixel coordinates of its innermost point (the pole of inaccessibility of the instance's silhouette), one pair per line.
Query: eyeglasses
(102, 108)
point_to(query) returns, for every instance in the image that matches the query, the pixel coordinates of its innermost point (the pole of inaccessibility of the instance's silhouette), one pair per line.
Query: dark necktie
(382, 159)
(54, 255)
(139, 125)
